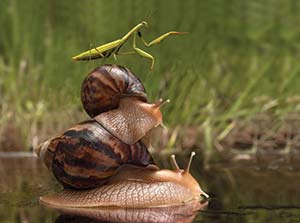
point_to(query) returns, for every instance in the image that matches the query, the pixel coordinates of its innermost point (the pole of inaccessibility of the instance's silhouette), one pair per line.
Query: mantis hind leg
(123, 53)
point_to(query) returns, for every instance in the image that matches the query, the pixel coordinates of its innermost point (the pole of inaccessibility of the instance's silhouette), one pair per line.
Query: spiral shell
(103, 88)
(86, 155)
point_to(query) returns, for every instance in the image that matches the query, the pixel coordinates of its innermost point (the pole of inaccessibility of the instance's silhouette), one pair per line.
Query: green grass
(239, 59)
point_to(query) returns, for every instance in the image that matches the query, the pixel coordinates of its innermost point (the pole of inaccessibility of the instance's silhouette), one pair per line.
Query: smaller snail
(135, 187)
(114, 97)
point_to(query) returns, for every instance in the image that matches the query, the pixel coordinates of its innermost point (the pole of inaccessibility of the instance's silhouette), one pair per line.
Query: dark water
(240, 193)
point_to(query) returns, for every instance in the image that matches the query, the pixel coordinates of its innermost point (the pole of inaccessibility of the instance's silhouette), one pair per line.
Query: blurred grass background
(240, 59)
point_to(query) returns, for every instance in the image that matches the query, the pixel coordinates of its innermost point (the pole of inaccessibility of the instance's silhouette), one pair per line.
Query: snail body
(169, 214)
(104, 161)
(134, 187)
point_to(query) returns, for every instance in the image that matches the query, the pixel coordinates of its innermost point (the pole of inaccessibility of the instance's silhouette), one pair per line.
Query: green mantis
(113, 48)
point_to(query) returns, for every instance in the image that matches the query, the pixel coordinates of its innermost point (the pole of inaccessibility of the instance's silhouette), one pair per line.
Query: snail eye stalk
(174, 162)
(187, 169)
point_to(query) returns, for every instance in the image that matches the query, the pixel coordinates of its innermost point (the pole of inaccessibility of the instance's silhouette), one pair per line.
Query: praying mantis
(113, 48)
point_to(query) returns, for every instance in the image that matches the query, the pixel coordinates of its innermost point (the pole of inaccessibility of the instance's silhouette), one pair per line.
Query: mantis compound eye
(145, 24)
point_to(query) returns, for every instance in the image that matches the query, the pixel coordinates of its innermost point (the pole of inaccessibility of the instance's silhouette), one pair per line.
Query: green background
(240, 59)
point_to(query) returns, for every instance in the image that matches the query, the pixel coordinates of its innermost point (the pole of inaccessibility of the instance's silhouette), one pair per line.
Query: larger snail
(104, 161)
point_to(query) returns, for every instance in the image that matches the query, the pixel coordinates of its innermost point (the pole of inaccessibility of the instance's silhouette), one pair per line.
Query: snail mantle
(104, 161)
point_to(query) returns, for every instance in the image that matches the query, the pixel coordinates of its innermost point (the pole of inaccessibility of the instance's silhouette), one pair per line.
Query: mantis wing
(102, 51)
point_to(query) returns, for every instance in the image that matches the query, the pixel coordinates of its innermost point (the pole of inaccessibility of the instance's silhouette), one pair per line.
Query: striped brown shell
(86, 155)
(103, 88)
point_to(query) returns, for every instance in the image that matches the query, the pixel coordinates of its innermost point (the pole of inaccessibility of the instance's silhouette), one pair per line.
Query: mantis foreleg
(160, 38)
(142, 53)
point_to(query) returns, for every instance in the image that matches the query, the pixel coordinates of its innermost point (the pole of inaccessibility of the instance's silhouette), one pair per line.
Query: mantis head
(144, 23)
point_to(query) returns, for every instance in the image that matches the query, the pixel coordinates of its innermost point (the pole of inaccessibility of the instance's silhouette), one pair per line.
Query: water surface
(239, 193)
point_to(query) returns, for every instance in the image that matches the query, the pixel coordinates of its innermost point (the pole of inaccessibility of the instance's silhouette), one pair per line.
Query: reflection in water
(183, 214)
(240, 193)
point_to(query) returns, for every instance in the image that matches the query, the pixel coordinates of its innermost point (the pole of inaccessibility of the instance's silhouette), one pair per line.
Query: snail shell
(86, 155)
(104, 87)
